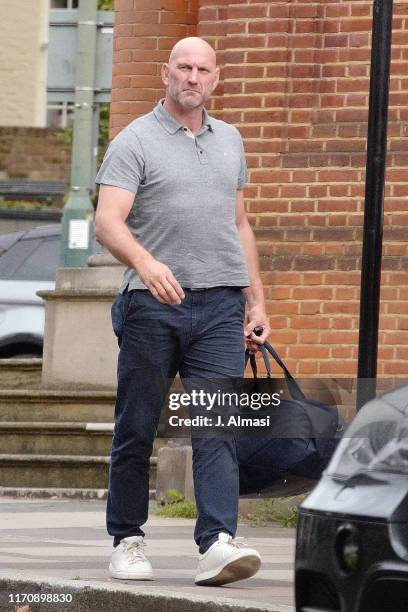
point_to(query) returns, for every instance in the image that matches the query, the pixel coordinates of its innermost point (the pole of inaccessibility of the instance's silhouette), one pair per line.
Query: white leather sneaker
(128, 561)
(227, 560)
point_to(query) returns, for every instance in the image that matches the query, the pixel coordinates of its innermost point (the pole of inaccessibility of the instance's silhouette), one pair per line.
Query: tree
(106, 5)
(103, 139)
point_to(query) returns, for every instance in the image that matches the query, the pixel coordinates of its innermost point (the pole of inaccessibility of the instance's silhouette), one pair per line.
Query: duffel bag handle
(265, 348)
(295, 391)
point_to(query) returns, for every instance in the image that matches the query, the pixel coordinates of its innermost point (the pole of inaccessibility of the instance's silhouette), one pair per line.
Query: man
(171, 207)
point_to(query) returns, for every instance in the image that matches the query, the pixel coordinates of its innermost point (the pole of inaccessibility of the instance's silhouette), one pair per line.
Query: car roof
(44, 231)
(30, 255)
(7, 240)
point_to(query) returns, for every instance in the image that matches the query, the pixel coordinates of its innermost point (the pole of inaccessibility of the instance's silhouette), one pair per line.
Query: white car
(28, 263)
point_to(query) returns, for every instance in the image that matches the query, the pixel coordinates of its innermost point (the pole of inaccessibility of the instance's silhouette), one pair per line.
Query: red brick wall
(295, 80)
(145, 31)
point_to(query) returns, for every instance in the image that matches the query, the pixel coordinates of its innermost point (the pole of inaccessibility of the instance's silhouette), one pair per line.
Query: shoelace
(238, 542)
(134, 551)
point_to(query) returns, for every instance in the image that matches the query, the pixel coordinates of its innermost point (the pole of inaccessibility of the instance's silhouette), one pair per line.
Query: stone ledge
(96, 597)
(61, 493)
(24, 363)
(46, 492)
(63, 426)
(83, 295)
(60, 459)
(52, 459)
(48, 395)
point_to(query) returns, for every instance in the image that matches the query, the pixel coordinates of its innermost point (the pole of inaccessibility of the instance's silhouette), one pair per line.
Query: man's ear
(165, 74)
(216, 78)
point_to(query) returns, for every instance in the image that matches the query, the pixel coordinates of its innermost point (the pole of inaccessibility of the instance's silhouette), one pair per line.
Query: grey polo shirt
(185, 194)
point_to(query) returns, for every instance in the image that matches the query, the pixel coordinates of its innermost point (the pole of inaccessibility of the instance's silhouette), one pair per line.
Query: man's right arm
(114, 205)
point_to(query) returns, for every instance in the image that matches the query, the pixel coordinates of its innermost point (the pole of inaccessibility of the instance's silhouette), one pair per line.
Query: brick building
(29, 145)
(295, 79)
(23, 63)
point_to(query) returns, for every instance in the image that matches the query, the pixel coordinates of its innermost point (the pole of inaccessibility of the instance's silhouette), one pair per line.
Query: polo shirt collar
(171, 125)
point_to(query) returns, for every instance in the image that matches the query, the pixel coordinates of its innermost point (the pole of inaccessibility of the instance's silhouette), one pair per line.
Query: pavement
(56, 548)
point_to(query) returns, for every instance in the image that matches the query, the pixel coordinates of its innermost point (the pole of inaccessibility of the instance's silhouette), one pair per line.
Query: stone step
(37, 438)
(20, 373)
(69, 406)
(66, 493)
(40, 406)
(59, 471)
(59, 438)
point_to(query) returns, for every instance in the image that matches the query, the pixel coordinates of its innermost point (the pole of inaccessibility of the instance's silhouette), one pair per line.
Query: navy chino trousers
(202, 338)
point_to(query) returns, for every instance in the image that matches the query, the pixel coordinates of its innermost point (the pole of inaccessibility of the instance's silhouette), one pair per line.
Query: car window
(31, 260)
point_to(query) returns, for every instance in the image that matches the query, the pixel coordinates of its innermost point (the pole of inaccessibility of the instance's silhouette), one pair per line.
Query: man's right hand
(160, 281)
(114, 205)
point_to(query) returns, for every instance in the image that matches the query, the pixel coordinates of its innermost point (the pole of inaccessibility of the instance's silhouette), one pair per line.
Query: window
(60, 115)
(64, 4)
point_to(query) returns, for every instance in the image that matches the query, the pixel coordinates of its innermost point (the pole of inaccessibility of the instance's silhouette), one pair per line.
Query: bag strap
(268, 347)
(294, 389)
(249, 356)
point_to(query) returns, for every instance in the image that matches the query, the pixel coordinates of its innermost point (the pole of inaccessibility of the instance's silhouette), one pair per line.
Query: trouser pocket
(119, 311)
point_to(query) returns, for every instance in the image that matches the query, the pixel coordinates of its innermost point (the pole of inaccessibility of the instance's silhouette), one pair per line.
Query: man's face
(190, 78)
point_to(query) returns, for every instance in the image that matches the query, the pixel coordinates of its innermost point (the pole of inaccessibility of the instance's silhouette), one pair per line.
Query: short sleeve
(243, 174)
(123, 164)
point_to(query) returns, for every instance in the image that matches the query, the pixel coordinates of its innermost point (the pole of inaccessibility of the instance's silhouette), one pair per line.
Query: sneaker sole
(128, 576)
(239, 569)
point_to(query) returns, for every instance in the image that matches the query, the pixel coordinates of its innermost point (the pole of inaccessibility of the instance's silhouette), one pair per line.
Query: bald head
(190, 76)
(193, 46)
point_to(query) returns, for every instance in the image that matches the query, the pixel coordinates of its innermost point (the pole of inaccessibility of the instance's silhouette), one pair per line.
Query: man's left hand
(256, 318)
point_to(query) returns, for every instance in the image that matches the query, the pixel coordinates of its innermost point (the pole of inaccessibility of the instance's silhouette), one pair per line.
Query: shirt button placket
(202, 156)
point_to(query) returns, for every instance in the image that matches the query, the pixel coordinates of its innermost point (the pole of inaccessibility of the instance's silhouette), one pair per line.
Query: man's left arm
(256, 313)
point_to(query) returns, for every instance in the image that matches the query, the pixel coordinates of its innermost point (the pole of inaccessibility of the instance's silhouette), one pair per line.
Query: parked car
(352, 535)
(28, 263)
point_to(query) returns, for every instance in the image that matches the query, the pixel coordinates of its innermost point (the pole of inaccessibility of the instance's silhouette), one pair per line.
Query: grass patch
(177, 506)
(28, 205)
(181, 509)
(281, 510)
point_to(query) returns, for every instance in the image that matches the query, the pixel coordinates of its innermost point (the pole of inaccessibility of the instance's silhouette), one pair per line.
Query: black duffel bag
(302, 437)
